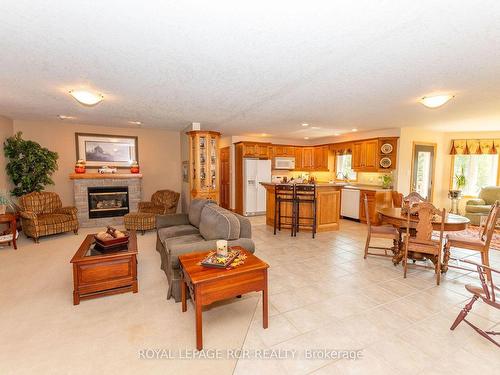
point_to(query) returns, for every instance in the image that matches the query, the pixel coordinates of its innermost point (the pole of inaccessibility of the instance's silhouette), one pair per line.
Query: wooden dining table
(399, 220)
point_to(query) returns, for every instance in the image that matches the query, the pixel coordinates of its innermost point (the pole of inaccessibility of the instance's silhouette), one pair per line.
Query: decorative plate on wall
(385, 162)
(386, 148)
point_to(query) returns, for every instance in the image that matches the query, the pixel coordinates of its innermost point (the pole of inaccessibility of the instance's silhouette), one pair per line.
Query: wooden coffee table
(97, 273)
(208, 285)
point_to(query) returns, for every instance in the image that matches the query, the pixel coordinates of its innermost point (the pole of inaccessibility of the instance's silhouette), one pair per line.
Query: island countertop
(327, 208)
(341, 185)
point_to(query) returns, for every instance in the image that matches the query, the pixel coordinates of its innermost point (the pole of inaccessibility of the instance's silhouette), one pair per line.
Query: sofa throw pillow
(218, 224)
(195, 208)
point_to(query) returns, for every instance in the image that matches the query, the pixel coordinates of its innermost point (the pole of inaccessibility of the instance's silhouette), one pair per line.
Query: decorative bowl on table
(111, 238)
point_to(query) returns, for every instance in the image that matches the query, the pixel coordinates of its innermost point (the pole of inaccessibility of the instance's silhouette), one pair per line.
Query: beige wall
(6, 130)
(159, 153)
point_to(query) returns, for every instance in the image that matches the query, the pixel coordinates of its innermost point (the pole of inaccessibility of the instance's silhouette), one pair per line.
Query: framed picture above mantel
(97, 150)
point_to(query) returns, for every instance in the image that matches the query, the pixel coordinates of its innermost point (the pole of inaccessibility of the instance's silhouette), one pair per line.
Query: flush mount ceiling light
(336, 134)
(436, 101)
(304, 125)
(64, 117)
(315, 127)
(354, 130)
(87, 98)
(135, 122)
(306, 137)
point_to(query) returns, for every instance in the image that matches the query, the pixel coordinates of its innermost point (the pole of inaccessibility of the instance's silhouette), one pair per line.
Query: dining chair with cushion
(489, 294)
(480, 243)
(423, 241)
(382, 232)
(162, 202)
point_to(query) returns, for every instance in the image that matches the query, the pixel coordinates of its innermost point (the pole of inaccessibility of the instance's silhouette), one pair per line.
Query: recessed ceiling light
(336, 134)
(305, 125)
(135, 122)
(354, 130)
(315, 127)
(86, 97)
(436, 101)
(306, 137)
(263, 135)
(63, 117)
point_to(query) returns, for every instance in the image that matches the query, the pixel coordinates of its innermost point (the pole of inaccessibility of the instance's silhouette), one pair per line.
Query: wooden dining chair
(489, 294)
(423, 242)
(480, 243)
(384, 232)
(397, 199)
(413, 198)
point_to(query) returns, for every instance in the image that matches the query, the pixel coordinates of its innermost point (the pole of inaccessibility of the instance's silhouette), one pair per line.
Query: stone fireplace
(107, 201)
(103, 199)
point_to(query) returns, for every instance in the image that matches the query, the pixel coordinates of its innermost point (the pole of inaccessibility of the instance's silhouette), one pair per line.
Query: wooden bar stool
(284, 193)
(306, 194)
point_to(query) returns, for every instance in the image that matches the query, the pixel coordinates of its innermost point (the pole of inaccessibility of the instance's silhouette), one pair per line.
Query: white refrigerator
(254, 194)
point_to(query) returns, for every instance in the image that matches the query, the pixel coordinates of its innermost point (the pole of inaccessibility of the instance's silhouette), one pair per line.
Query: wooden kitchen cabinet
(283, 151)
(299, 154)
(376, 201)
(321, 158)
(255, 150)
(365, 156)
(307, 158)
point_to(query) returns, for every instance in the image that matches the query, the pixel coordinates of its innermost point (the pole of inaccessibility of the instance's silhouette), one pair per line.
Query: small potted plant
(386, 181)
(4, 202)
(460, 180)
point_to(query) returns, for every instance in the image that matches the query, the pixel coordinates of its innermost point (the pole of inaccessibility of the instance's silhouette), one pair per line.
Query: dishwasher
(350, 203)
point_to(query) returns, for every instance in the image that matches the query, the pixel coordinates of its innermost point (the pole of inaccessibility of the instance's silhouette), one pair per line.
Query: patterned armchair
(42, 214)
(162, 202)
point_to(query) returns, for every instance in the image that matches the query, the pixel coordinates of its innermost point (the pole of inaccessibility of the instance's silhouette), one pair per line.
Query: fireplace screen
(108, 201)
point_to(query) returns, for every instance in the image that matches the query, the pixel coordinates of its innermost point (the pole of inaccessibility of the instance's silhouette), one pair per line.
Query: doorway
(423, 169)
(225, 177)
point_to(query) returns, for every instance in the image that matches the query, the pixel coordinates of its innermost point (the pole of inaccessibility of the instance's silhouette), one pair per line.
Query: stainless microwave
(284, 163)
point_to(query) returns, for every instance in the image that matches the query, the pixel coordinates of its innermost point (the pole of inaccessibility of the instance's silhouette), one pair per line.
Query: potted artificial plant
(30, 165)
(386, 181)
(460, 179)
(4, 202)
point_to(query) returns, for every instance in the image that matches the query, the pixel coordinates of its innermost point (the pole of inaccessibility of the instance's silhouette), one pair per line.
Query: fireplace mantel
(103, 176)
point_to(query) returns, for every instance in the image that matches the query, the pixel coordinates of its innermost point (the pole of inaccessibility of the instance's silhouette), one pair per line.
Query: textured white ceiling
(254, 67)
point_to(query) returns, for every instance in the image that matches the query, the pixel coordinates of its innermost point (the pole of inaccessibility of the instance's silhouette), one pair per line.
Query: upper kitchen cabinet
(321, 158)
(374, 155)
(307, 158)
(283, 151)
(255, 149)
(299, 155)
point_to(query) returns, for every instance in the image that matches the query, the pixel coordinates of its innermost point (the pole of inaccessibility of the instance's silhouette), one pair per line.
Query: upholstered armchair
(42, 214)
(162, 202)
(475, 208)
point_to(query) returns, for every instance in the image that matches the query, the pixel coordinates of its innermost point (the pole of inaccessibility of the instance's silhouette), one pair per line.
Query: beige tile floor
(323, 295)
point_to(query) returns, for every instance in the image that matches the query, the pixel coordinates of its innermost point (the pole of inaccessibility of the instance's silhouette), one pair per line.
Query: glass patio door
(422, 177)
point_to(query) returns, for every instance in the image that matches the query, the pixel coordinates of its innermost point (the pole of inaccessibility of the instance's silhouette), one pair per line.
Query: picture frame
(97, 150)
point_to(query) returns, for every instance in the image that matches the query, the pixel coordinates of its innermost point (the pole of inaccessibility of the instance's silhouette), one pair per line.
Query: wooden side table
(208, 285)
(11, 220)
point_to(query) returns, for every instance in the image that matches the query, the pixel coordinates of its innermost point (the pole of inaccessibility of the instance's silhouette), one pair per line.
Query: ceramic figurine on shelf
(80, 166)
(134, 168)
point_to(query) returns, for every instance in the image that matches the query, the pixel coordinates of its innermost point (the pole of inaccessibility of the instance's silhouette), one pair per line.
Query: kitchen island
(327, 208)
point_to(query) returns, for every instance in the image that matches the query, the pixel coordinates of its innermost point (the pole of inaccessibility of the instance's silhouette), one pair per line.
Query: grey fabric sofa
(198, 230)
